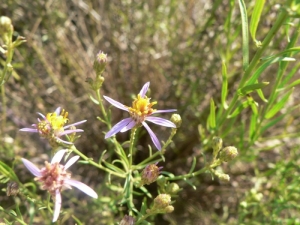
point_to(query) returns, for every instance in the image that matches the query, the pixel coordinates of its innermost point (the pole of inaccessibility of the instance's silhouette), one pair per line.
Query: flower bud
(217, 143)
(162, 201)
(222, 176)
(169, 209)
(5, 25)
(176, 119)
(172, 188)
(100, 63)
(12, 188)
(150, 174)
(161, 181)
(228, 153)
(127, 220)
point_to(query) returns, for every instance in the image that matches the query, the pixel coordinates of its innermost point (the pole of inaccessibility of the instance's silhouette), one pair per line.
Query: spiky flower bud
(172, 188)
(176, 119)
(150, 174)
(100, 63)
(228, 153)
(127, 220)
(162, 201)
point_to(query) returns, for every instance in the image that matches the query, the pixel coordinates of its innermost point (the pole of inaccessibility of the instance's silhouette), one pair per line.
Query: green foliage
(199, 60)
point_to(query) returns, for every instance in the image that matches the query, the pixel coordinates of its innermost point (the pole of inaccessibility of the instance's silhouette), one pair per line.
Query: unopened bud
(5, 25)
(127, 220)
(150, 174)
(222, 176)
(172, 188)
(217, 143)
(169, 209)
(176, 119)
(228, 153)
(162, 201)
(161, 181)
(100, 63)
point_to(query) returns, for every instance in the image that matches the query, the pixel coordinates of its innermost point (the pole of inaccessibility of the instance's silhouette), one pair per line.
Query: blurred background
(178, 46)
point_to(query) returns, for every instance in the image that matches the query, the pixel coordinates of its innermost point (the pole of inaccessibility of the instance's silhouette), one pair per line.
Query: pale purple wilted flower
(52, 126)
(54, 177)
(140, 112)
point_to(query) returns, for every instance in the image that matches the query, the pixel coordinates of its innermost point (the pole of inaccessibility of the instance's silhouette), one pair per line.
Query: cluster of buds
(6, 28)
(161, 204)
(99, 67)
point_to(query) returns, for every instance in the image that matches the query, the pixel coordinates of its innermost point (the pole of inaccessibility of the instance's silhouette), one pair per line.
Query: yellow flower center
(57, 121)
(141, 108)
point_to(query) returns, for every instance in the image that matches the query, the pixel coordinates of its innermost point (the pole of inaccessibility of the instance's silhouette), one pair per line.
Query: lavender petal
(153, 136)
(71, 161)
(160, 121)
(58, 156)
(129, 126)
(42, 115)
(116, 103)
(144, 89)
(119, 126)
(82, 187)
(75, 124)
(70, 132)
(164, 111)
(57, 111)
(57, 205)
(29, 130)
(32, 168)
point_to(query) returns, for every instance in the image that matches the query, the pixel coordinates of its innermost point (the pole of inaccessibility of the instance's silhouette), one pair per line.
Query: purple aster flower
(54, 177)
(52, 126)
(140, 112)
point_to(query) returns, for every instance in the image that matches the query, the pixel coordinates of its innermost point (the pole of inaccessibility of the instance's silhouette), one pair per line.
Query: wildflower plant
(138, 185)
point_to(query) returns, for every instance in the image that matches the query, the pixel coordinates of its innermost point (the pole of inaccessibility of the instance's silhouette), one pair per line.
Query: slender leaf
(250, 88)
(279, 105)
(224, 86)
(258, 7)
(239, 109)
(252, 127)
(212, 115)
(245, 44)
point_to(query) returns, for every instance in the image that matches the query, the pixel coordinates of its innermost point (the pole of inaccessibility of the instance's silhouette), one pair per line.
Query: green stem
(185, 176)
(91, 162)
(132, 140)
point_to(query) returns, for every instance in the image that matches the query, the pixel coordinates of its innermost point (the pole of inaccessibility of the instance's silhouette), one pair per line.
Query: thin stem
(132, 140)
(185, 176)
(91, 162)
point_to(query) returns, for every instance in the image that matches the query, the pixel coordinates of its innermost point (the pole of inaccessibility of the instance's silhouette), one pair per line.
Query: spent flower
(150, 173)
(140, 112)
(53, 177)
(52, 126)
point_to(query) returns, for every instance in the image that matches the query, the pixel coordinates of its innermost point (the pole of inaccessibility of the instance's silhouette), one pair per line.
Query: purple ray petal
(57, 205)
(129, 126)
(71, 161)
(75, 124)
(116, 103)
(82, 187)
(63, 141)
(164, 111)
(119, 126)
(160, 121)
(29, 130)
(58, 156)
(42, 115)
(32, 168)
(70, 132)
(144, 89)
(57, 111)
(153, 136)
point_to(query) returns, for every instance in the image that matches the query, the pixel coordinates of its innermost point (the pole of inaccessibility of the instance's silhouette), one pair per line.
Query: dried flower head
(127, 220)
(53, 177)
(52, 126)
(150, 173)
(100, 63)
(140, 112)
(12, 188)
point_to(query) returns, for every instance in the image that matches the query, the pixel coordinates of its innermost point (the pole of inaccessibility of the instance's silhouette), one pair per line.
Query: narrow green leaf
(295, 83)
(245, 44)
(94, 100)
(239, 109)
(258, 7)
(253, 105)
(279, 105)
(113, 167)
(252, 127)
(224, 86)
(250, 88)
(193, 165)
(212, 115)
